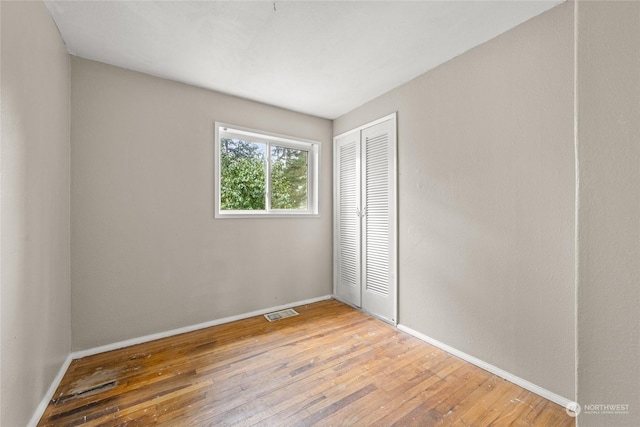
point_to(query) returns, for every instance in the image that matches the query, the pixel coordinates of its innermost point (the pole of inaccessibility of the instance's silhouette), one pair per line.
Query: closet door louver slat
(348, 222)
(377, 214)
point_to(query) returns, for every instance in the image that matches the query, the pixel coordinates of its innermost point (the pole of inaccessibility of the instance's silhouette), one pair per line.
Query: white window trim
(313, 147)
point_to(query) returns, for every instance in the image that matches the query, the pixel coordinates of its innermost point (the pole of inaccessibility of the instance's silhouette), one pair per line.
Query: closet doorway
(365, 218)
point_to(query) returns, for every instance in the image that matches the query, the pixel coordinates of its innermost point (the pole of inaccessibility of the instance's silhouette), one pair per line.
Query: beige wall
(486, 200)
(608, 141)
(148, 255)
(36, 335)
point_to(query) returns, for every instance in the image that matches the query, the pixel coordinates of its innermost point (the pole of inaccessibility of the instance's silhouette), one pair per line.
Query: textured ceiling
(320, 58)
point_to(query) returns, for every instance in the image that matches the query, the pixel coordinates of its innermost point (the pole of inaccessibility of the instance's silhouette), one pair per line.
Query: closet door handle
(358, 213)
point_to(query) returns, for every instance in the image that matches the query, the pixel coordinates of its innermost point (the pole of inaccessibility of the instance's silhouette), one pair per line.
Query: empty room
(330, 213)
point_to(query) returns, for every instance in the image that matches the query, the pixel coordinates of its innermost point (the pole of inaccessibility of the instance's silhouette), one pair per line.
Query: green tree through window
(242, 177)
(261, 174)
(289, 170)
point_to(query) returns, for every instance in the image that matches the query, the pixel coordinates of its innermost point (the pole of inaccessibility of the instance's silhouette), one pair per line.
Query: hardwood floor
(331, 365)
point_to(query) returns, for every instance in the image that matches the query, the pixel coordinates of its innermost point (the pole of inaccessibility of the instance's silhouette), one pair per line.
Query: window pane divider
(267, 172)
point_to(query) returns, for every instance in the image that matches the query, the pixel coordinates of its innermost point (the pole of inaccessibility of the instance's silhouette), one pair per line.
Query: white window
(263, 174)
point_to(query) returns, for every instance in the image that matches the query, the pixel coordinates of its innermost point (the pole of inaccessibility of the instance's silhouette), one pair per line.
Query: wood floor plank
(280, 390)
(326, 375)
(330, 365)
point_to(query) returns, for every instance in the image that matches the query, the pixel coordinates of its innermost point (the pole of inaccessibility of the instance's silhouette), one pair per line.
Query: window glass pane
(289, 178)
(242, 175)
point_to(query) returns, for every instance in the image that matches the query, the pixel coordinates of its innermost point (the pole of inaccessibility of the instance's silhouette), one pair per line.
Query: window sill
(237, 215)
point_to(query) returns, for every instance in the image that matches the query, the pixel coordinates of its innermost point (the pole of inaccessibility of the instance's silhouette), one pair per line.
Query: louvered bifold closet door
(378, 220)
(347, 219)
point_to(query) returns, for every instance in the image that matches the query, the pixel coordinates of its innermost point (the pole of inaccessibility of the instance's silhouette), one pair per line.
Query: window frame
(270, 139)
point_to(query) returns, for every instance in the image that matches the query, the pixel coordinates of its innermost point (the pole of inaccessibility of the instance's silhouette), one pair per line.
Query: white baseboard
(121, 344)
(90, 352)
(33, 422)
(490, 368)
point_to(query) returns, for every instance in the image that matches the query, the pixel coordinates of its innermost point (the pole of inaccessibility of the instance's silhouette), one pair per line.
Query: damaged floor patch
(99, 381)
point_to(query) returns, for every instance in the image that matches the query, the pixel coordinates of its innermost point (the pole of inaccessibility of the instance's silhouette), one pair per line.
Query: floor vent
(277, 315)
